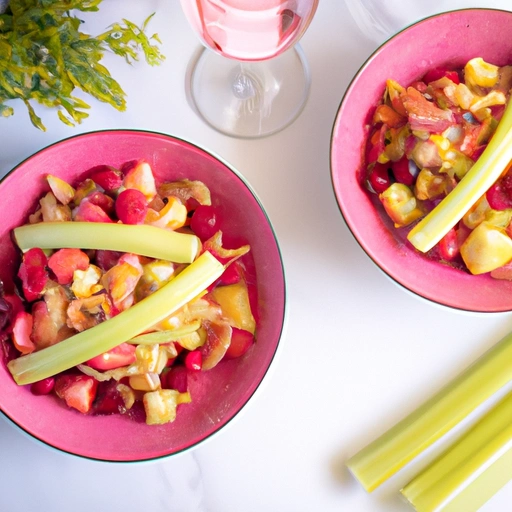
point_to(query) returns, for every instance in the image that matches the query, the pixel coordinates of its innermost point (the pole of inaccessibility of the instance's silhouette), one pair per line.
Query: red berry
(402, 171)
(205, 221)
(379, 178)
(43, 387)
(499, 196)
(131, 206)
(449, 246)
(194, 360)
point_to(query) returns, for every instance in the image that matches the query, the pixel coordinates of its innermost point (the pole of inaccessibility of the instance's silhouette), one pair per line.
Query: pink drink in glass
(249, 29)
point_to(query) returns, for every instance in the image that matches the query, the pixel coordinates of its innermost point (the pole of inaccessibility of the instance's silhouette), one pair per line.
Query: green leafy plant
(44, 57)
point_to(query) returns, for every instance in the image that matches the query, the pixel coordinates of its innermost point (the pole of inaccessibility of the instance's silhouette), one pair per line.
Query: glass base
(249, 99)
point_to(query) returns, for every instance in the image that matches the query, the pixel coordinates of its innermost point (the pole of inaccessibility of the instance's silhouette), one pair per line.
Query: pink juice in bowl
(249, 29)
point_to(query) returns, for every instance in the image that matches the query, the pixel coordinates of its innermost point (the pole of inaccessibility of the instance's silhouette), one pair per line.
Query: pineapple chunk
(234, 302)
(146, 382)
(160, 406)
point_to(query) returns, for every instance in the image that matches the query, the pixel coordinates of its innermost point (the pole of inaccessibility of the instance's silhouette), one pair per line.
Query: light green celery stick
(382, 458)
(487, 169)
(151, 338)
(138, 239)
(128, 324)
(470, 472)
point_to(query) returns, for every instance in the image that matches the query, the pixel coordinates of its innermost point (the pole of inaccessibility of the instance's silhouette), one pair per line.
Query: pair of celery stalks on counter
(476, 466)
(144, 240)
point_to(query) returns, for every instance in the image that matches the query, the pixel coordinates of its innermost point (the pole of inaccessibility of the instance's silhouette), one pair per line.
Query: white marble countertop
(359, 353)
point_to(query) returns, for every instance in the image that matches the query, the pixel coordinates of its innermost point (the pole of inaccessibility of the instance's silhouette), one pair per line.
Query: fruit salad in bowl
(133, 301)
(420, 154)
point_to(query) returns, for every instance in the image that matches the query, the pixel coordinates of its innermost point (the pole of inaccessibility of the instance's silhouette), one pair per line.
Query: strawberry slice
(64, 262)
(78, 391)
(33, 273)
(241, 342)
(21, 332)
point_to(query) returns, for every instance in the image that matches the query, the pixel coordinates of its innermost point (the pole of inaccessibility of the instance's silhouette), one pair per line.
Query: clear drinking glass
(252, 79)
(380, 19)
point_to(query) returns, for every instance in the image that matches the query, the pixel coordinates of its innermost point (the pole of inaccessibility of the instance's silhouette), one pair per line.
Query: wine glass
(256, 80)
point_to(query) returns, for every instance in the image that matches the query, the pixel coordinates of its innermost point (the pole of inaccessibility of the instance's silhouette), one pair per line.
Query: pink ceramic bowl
(217, 395)
(450, 38)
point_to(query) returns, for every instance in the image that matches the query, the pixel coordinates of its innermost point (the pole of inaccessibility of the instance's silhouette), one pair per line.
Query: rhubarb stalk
(382, 458)
(140, 239)
(471, 471)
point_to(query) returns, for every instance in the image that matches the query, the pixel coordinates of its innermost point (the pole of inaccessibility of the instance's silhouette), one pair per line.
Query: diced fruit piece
(400, 204)
(122, 355)
(107, 259)
(120, 282)
(172, 216)
(50, 317)
(218, 338)
(147, 358)
(176, 378)
(52, 211)
(43, 387)
(241, 342)
(187, 191)
(486, 248)
(205, 221)
(194, 360)
(86, 313)
(33, 274)
(85, 282)
(131, 206)
(84, 189)
(214, 246)
(145, 382)
(387, 115)
(21, 332)
(233, 274)
(436, 73)
(108, 399)
(78, 391)
(160, 406)
(425, 115)
(64, 262)
(154, 275)
(481, 73)
(10, 306)
(236, 308)
(90, 212)
(107, 177)
(379, 178)
(61, 189)
(106, 203)
(138, 175)
(504, 272)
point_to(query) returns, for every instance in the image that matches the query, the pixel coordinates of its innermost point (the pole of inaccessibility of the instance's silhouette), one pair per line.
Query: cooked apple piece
(218, 339)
